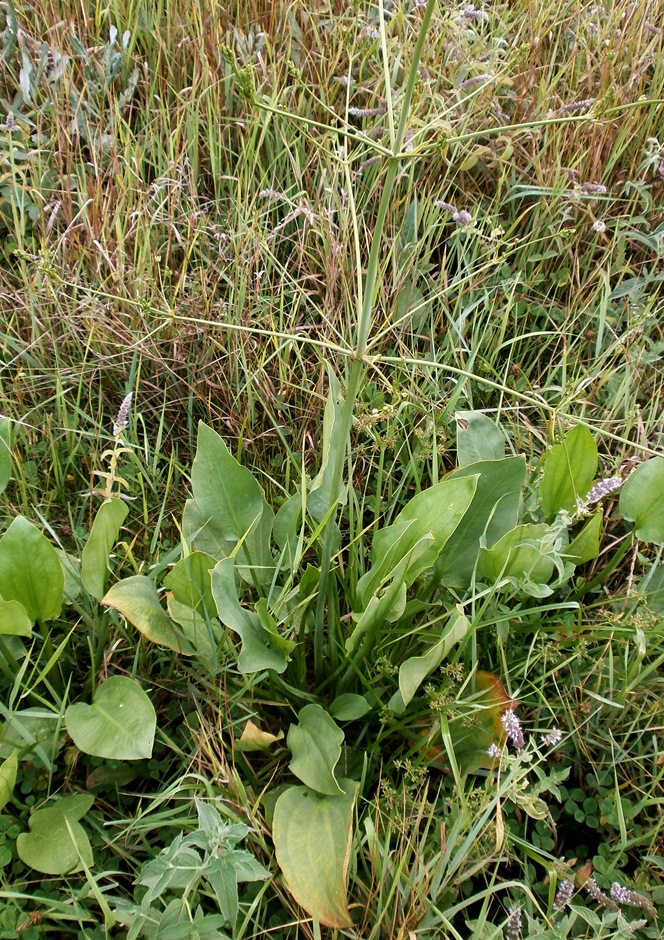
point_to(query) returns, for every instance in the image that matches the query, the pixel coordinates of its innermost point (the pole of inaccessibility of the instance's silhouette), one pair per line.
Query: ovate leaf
(494, 510)
(190, 584)
(14, 620)
(521, 555)
(474, 727)
(137, 599)
(225, 491)
(569, 471)
(57, 844)
(119, 725)
(315, 743)
(478, 438)
(30, 571)
(349, 707)
(433, 515)
(312, 835)
(642, 500)
(202, 632)
(103, 535)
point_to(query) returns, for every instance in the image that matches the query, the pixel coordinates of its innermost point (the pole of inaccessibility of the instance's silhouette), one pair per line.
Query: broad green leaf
(136, 599)
(493, 511)
(478, 438)
(57, 844)
(225, 491)
(202, 632)
(569, 471)
(315, 743)
(388, 604)
(30, 571)
(119, 725)
(5, 452)
(8, 771)
(585, 546)
(112, 775)
(522, 554)
(254, 738)
(35, 733)
(321, 497)
(349, 707)
(434, 514)
(14, 620)
(253, 558)
(258, 649)
(312, 837)
(642, 500)
(415, 670)
(189, 582)
(103, 535)
(203, 533)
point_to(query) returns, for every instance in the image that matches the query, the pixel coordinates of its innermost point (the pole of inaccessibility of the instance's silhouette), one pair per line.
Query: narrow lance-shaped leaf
(415, 670)
(5, 452)
(103, 535)
(321, 494)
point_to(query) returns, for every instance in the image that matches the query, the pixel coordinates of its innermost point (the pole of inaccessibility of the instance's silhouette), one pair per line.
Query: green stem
(365, 319)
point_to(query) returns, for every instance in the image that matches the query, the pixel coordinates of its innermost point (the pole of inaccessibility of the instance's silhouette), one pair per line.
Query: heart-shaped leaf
(119, 725)
(312, 836)
(315, 744)
(57, 843)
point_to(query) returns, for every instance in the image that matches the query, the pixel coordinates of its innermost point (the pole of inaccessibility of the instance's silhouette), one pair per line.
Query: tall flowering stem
(366, 301)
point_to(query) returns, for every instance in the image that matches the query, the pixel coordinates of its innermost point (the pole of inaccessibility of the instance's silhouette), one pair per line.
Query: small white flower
(599, 226)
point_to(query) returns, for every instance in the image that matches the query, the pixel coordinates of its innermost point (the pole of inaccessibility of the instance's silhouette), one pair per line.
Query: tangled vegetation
(331, 469)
